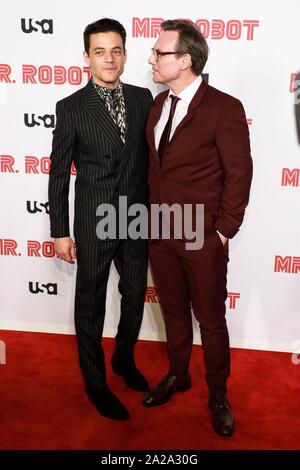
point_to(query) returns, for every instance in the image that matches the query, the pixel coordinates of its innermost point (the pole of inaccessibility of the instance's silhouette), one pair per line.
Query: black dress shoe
(108, 404)
(127, 369)
(223, 419)
(166, 388)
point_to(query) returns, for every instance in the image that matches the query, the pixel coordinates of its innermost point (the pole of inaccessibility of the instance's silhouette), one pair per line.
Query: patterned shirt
(115, 104)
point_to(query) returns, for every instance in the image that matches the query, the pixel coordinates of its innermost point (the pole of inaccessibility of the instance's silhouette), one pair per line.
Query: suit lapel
(132, 122)
(130, 105)
(153, 119)
(99, 113)
(194, 104)
(157, 109)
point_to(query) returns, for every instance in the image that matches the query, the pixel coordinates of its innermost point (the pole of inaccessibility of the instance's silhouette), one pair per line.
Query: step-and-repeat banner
(254, 55)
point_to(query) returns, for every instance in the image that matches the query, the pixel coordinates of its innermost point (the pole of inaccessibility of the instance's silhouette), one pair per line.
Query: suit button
(106, 156)
(117, 188)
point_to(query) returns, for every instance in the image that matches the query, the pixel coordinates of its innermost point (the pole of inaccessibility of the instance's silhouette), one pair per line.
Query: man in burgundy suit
(199, 154)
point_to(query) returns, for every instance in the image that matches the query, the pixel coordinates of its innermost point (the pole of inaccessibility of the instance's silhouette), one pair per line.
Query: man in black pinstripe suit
(102, 129)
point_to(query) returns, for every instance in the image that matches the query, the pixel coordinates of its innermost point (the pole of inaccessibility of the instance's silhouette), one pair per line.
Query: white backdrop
(254, 56)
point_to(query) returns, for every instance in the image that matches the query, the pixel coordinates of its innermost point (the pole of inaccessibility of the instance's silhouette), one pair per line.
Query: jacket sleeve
(147, 101)
(62, 155)
(232, 140)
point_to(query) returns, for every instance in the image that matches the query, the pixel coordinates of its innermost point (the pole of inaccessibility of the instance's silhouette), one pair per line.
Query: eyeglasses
(157, 54)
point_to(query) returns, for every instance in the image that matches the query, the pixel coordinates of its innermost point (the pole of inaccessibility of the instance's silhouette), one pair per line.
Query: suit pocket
(219, 242)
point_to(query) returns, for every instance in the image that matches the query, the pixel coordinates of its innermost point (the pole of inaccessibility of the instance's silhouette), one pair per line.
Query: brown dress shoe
(166, 388)
(223, 419)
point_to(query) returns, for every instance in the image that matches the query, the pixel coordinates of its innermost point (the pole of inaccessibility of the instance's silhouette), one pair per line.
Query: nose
(151, 60)
(109, 57)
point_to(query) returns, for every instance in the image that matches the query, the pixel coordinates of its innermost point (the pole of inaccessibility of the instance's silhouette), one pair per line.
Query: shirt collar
(188, 93)
(105, 91)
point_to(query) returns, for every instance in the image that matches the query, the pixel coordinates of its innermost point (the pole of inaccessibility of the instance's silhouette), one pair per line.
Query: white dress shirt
(181, 110)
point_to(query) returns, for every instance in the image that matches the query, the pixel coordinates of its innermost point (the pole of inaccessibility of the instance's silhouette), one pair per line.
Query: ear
(186, 62)
(86, 58)
(125, 56)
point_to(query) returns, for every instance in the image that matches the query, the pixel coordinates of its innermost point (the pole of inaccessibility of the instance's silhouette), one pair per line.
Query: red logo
(5, 71)
(35, 165)
(232, 298)
(57, 74)
(8, 247)
(47, 74)
(287, 264)
(215, 29)
(290, 177)
(7, 164)
(152, 296)
(293, 84)
(37, 249)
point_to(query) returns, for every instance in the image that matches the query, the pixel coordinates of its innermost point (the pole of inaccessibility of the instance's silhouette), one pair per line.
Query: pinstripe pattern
(106, 168)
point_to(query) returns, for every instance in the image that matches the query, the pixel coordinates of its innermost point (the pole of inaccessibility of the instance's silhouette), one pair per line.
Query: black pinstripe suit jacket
(86, 134)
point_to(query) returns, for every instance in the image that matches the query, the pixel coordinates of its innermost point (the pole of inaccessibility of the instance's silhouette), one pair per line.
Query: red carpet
(43, 404)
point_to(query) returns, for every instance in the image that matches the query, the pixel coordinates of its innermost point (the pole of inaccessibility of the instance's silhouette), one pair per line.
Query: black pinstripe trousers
(94, 259)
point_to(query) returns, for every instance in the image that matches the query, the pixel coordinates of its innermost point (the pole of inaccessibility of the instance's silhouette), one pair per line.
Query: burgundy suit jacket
(207, 161)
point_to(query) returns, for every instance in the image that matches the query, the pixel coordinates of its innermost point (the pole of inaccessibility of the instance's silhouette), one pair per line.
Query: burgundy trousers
(196, 279)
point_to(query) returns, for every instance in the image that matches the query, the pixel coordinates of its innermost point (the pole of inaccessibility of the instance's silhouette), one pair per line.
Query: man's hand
(223, 239)
(65, 249)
